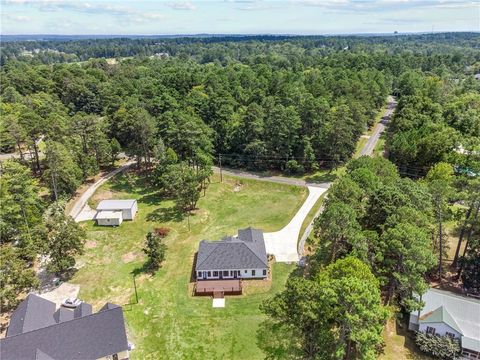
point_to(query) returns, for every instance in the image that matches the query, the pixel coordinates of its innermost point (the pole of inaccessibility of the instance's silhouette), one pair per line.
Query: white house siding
(244, 274)
(109, 222)
(441, 329)
(129, 214)
(413, 323)
(133, 211)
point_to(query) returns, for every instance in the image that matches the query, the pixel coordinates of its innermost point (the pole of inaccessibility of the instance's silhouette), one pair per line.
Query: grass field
(168, 323)
(399, 343)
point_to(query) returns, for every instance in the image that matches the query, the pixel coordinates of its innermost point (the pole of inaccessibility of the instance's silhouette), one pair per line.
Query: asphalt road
(275, 179)
(379, 128)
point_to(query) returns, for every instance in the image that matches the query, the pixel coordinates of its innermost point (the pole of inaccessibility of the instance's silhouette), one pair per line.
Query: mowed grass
(168, 322)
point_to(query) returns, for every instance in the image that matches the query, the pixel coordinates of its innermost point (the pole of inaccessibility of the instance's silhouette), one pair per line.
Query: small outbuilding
(113, 212)
(109, 218)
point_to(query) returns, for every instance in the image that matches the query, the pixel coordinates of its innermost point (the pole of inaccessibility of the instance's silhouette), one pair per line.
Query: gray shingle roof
(88, 337)
(32, 313)
(115, 204)
(247, 251)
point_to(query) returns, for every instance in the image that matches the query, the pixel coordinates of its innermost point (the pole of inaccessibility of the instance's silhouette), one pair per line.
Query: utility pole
(135, 287)
(220, 166)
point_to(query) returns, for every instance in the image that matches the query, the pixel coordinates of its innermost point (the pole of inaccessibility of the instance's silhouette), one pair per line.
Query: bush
(162, 232)
(293, 167)
(441, 347)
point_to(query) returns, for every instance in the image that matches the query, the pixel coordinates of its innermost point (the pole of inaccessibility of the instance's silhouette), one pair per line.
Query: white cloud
(121, 12)
(182, 5)
(15, 18)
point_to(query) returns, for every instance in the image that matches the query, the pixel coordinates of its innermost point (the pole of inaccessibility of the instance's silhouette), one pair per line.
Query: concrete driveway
(80, 210)
(283, 244)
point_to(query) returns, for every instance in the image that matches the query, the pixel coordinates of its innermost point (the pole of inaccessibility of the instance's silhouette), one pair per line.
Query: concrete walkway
(283, 243)
(80, 210)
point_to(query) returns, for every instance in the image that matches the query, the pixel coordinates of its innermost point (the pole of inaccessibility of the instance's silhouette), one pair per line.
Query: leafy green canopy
(335, 315)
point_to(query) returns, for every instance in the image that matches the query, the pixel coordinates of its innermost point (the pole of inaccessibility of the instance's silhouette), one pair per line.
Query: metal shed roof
(464, 311)
(116, 204)
(106, 214)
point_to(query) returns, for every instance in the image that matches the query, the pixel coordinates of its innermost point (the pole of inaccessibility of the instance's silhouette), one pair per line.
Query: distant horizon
(228, 17)
(249, 34)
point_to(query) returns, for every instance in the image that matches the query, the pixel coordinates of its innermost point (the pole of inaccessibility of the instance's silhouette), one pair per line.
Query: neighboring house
(240, 257)
(113, 212)
(449, 314)
(477, 76)
(38, 331)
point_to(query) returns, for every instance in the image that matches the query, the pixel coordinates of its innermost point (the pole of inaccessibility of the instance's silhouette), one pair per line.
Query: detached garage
(113, 212)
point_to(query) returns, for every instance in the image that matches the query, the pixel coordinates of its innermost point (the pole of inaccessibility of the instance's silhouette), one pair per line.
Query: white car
(71, 302)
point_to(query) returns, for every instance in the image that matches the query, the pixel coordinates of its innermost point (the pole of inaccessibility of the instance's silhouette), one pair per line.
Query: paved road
(80, 210)
(275, 179)
(366, 150)
(379, 128)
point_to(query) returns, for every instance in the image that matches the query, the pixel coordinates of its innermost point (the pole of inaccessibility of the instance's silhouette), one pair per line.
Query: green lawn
(168, 323)
(399, 343)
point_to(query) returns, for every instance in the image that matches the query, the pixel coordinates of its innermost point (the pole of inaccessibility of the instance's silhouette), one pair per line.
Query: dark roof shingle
(79, 336)
(247, 251)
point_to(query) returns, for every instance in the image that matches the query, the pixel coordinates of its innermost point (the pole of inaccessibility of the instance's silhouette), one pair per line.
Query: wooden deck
(218, 288)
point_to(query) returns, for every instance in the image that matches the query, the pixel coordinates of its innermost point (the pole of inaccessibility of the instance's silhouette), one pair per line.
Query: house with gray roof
(38, 331)
(449, 314)
(234, 257)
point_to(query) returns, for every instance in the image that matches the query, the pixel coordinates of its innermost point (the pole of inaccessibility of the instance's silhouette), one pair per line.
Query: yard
(168, 323)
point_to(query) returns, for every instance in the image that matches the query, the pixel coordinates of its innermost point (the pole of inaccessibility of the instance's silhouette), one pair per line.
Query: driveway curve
(283, 243)
(80, 210)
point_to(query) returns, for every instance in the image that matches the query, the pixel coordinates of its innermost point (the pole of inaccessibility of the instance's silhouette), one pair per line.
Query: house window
(431, 330)
(449, 334)
(264, 272)
(199, 274)
(215, 273)
(209, 274)
(253, 272)
(246, 271)
(225, 273)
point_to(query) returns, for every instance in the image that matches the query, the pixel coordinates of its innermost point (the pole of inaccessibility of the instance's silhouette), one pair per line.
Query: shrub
(441, 347)
(162, 232)
(293, 167)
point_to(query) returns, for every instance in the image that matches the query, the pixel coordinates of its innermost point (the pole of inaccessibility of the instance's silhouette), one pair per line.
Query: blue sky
(146, 17)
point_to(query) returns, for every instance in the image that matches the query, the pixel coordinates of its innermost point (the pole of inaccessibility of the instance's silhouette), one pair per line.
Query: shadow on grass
(144, 269)
(151, 199)
(275, 338)
(132, 182)
(166, 215)
(325, 177)
(401, 329)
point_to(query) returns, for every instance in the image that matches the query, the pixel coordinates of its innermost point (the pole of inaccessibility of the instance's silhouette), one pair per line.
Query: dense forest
(68, 108)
